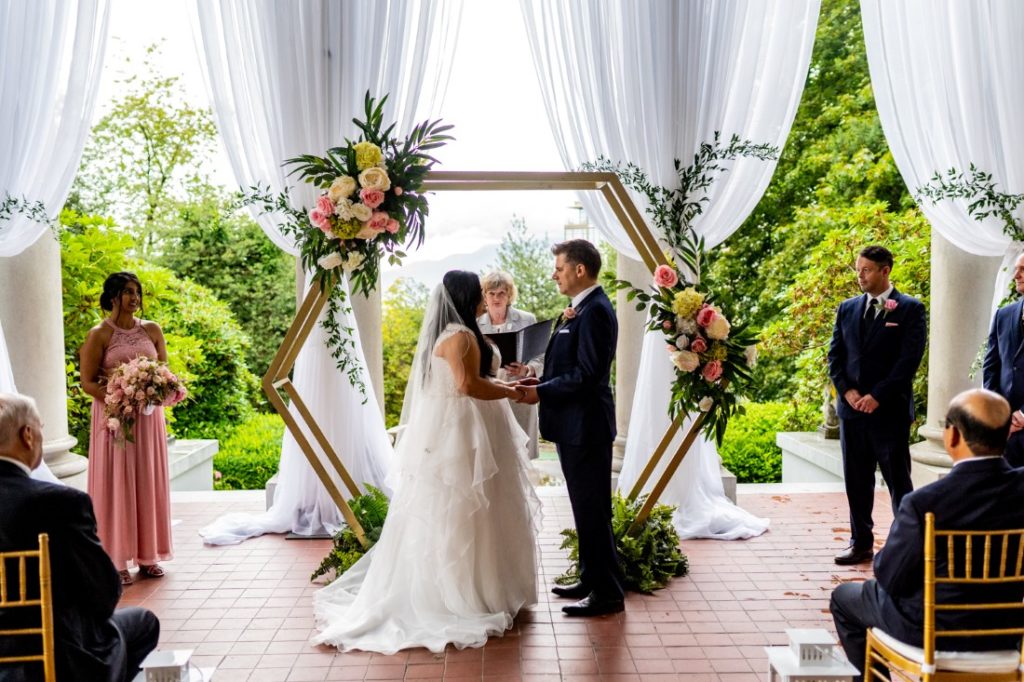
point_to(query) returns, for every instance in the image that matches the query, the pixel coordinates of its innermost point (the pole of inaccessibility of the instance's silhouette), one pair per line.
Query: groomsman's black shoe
(853, 555)
(593, 605)
(574, 591)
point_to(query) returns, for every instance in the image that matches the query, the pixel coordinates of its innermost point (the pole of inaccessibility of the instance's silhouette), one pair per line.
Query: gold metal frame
(44, 602)
(608, 184)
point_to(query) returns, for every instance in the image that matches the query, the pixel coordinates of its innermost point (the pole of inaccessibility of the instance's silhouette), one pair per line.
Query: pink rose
(890, 304)
(378, 221)
(665, 276)
(569, 313)
(667, 325)
(366, 232)
(113, 424)
(317, 217)
(712, 371)
(393, 226)
(371, 197)
(398, 191)
(706, 315)
(324, 205)
(699, 345)
(670, 348)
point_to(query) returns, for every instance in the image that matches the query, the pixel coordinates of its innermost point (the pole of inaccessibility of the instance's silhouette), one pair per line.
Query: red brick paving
(246, 609)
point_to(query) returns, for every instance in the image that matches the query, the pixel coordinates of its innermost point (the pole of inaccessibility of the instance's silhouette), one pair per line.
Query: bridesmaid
(128, 481)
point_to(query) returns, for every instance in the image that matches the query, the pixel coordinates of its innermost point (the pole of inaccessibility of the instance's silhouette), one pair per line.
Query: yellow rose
(718, 328)
(341, 188)
(367, 154)
(375, 178)
(687, 302)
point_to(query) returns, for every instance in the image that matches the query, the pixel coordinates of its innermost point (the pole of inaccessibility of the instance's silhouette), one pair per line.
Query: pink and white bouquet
(136, 388)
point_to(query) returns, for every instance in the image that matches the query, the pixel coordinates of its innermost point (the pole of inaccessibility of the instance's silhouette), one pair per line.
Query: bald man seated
(981, 492)
(93, 641)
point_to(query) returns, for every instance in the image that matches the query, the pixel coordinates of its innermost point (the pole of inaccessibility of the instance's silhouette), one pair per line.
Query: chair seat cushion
(955, 661)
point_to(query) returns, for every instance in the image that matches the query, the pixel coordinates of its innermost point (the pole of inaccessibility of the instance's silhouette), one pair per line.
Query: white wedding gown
(456, 559)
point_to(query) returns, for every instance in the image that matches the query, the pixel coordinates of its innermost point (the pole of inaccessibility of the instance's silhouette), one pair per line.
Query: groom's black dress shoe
(853, 555)
(593, 605)
(574, 591)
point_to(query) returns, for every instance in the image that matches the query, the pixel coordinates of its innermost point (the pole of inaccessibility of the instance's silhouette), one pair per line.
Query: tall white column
(959, 319)
(32, 314)
(627, 352)
(370, 319)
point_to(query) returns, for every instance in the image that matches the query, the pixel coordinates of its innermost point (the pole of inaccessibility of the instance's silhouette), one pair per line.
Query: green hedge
(249, 454)
(749, 450)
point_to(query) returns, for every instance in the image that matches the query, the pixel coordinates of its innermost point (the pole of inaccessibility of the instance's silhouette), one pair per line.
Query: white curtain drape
(51, 58)
(287, 79)
(946, 77)
(648, 83)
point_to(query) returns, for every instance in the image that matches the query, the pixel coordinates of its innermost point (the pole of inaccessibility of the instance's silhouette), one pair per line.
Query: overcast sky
(493, 100)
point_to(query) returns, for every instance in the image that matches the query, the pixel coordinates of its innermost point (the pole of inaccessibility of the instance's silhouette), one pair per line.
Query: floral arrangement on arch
(370, 206)
(712, 352)
(136, 388)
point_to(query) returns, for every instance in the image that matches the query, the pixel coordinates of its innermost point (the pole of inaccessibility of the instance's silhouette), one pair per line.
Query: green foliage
(145, 156)
(206, 347)
(371, 509)
(230, 255)
(749, 450)
(249, 453)
(404, 304)
(528, 259)
(649, 559)
(984, 199)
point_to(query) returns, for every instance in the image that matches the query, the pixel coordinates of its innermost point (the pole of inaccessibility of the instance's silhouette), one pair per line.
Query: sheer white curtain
(287, 79)
(648, 83)
(51, 56)
(947, 83)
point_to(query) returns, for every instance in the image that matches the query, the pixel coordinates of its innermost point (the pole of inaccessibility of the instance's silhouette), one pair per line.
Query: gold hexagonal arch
(276, 381)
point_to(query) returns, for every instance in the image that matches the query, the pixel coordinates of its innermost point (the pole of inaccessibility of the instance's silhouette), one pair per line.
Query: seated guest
(93, 641)
(977, 494)
(499, 295)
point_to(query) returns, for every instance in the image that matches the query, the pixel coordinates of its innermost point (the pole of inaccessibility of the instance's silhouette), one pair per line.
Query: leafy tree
(145, 156)
(404, 304)
(528, 259)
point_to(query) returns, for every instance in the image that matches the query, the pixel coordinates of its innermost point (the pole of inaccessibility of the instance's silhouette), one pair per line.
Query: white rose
(705, 404)
(719, 328)
(683, 342)
(686, 325)
(330, 261)
(341, 188)
(375, 178)
(685, 360)
(751, 355)
(361, 212)
(354, 260)
(343, 209)
(366, 232)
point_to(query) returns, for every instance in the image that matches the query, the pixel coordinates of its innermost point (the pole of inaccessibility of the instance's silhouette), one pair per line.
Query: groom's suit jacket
(85, 586)
(576, 405)
(1003, 369)
(882, 360)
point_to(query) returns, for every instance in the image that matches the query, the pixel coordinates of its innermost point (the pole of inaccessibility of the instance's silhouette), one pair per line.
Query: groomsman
(877, 345)
(1003, 369)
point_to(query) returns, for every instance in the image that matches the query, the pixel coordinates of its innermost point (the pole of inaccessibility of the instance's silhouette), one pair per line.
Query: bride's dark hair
(465, 293)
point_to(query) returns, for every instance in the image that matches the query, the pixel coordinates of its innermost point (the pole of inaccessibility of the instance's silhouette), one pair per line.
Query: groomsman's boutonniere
(887, 307)
(569, 313)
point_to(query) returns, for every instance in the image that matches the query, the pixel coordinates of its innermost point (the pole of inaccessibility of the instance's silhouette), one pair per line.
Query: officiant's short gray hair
(16, 411)
(497, 279)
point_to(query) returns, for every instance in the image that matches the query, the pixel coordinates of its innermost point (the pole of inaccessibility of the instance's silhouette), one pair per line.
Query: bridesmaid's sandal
(126, 578)
(153, 571)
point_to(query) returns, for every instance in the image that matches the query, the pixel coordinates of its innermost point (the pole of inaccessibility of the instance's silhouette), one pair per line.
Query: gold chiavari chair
(9, 599)
(1001, 563)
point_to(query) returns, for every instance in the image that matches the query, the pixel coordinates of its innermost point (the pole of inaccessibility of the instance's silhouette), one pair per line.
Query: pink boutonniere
(887, 307)
(569, 313)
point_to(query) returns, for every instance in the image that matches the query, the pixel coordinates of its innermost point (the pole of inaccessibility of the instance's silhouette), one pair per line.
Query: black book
(523, 345)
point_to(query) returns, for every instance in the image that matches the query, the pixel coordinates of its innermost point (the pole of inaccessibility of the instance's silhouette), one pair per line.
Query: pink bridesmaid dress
(128, 482)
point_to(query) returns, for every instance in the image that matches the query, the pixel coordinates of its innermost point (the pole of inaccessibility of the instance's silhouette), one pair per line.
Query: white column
(370, 320)
(32, 314)
(627, 352)
(959, 320)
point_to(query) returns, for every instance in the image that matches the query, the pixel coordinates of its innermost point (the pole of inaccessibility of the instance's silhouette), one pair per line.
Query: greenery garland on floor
(371, 509)
(649, 559)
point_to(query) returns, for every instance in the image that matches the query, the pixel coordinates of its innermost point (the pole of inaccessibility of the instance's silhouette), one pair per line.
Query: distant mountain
(430, 272)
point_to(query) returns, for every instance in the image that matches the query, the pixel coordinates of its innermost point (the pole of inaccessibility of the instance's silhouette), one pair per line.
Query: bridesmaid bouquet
(137, 387)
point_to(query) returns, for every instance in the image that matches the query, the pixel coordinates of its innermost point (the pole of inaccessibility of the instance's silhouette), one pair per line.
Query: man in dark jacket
(1003, 369)
(93, 642)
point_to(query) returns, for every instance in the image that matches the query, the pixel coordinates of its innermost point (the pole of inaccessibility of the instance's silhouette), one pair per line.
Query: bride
(456, 559)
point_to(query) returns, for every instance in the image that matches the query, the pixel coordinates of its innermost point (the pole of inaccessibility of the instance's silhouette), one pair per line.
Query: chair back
(978, 561)
(14, 594)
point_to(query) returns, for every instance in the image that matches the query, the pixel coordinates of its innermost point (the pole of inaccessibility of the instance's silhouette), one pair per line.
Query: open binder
(523, 345)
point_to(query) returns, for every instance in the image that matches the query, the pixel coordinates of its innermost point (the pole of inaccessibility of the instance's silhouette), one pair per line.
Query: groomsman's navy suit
(877, 356)
(1003, 370)
(577, 413)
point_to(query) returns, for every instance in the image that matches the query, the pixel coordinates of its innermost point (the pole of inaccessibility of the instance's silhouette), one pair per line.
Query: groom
(577, 414)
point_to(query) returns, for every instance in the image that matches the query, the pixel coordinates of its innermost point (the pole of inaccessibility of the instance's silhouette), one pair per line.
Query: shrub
(371, 509)
(749, 450)
(249, 454)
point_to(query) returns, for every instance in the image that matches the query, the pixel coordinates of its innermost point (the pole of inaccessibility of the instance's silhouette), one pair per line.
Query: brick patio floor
(246, 609)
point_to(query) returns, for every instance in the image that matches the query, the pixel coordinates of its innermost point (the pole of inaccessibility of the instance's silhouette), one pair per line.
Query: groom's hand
(528, 381)
(866, 404)
(530, 396)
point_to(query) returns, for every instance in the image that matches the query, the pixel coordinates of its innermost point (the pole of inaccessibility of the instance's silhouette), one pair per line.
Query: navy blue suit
(879, 358)
(94, 642)
(977, 494)
(577, 413)
(1003, 369)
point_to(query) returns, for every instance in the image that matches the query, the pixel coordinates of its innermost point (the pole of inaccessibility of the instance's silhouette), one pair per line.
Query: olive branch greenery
(33, 210)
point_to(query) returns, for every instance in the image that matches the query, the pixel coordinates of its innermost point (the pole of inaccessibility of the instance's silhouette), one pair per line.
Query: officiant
(499, 296)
